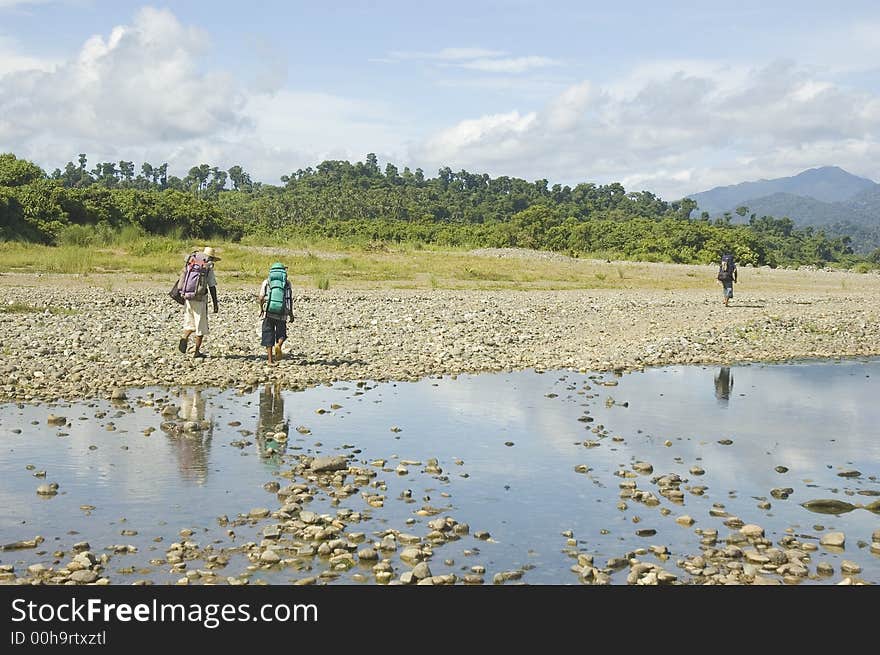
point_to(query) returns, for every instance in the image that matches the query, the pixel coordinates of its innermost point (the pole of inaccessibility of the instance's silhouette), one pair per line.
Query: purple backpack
(194, 279)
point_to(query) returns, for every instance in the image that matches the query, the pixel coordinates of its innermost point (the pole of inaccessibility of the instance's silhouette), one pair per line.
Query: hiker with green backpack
(276, 307)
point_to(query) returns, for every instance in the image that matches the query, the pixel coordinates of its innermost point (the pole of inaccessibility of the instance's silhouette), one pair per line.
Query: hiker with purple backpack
(196, 281)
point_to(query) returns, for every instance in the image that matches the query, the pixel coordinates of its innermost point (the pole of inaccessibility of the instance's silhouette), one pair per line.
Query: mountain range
(827, 198)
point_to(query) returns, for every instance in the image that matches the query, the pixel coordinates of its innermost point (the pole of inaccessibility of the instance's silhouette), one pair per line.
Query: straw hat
(209, 252)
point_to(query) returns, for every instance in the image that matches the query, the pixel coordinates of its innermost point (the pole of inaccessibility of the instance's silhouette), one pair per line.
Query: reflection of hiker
(192, 405)
(272, 429)
(196, 281)
(723, 383)
(276, 306)
(727, 275)
(193, 445)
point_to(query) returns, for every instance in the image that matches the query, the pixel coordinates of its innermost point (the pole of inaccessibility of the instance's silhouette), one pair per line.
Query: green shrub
(77, 235)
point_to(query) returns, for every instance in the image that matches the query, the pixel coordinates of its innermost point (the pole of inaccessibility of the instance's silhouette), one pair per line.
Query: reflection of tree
(271, 422)
(723, 383)
(192, 436)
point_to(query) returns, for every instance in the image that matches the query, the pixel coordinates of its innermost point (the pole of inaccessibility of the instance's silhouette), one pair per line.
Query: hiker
(196, 281)
(727, 276)
(276, 307)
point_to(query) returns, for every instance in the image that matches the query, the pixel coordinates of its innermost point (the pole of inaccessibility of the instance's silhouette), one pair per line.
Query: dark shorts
(728, 288)
(274, 330)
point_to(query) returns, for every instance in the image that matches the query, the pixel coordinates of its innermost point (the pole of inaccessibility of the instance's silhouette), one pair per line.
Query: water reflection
(191, 436)
(513, 448)
(272, 428)
(723, 384)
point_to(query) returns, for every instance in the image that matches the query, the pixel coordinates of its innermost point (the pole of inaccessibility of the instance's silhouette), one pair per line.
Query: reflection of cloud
(787, 415)
(513, 402)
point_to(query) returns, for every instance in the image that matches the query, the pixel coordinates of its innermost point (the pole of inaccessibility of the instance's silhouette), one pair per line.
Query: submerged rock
(828, 506)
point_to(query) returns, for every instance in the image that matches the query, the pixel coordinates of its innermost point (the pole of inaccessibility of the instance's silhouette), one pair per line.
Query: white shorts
(195, 317)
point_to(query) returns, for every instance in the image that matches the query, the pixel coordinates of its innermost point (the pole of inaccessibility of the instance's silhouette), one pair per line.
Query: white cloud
(11, 61)
(510, 65)
(674, 132)
(149, 90)
(141, 84)
(288, 130)
(146, 92)
(9, 4)
(503, 131)
(448, 54)
(566, 110)
(477, 59)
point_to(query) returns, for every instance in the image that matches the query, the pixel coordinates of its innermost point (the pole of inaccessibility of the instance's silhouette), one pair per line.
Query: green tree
(16, 172)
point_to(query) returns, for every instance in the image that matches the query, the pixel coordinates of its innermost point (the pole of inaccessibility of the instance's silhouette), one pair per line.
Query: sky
(673, 98)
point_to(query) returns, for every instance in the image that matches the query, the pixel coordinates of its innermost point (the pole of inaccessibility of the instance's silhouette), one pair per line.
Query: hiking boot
(181, 346)
(199, 356)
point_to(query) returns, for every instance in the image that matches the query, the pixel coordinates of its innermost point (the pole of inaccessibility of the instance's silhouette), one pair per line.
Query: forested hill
(362, 201)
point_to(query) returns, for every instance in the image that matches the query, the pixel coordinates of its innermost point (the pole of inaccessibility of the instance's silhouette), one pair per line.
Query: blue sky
(672, 97)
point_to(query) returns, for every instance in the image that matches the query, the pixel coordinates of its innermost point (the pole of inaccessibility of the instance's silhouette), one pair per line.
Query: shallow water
(508, 445)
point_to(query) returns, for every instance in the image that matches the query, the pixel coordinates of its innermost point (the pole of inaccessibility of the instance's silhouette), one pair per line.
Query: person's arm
(262, 297)
(213, 291)
(289, 301)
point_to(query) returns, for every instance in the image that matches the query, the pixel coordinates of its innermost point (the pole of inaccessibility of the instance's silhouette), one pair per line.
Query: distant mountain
(826, 184)
(802, 210)
(827, 198)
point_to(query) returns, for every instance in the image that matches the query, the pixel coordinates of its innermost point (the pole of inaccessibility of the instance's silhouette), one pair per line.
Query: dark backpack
(194, 279)
(727, 267)
(276, 291)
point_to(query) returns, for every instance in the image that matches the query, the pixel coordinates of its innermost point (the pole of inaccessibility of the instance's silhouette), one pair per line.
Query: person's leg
(267, 338)
(201, 327)
(189, 326)
(280, 336)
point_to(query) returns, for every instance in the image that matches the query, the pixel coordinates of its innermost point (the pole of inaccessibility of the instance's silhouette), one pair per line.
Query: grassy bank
(327, 264)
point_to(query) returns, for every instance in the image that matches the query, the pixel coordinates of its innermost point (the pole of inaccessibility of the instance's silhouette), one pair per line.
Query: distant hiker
(196, 281)
(276, 307)
(727, 276)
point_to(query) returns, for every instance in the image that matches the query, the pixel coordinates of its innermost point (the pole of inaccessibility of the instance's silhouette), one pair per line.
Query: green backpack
(275, 292)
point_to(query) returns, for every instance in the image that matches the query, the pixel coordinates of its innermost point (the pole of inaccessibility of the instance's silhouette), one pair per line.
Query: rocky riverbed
(467, 491)
(334, 513)
(78, 340)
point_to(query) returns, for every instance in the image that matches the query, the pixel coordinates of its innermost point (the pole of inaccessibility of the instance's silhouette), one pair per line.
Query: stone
(330, 463)
(837, 539)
